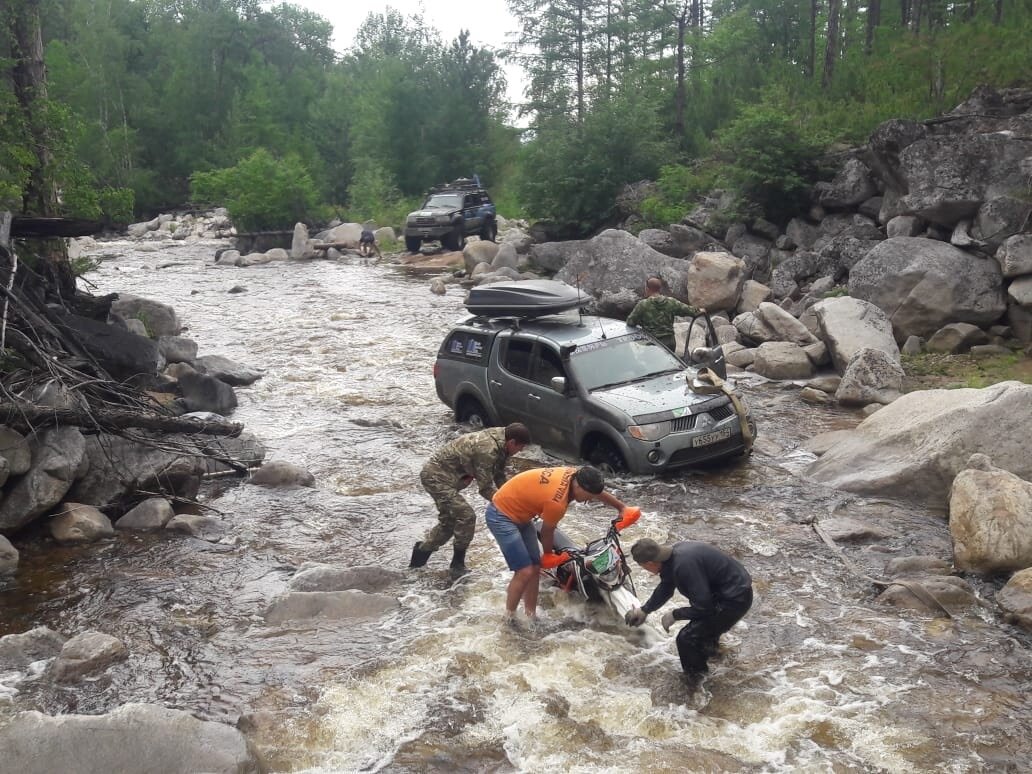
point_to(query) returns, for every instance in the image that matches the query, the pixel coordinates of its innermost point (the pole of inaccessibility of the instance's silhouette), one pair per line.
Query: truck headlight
(443, 219)
(650, 432)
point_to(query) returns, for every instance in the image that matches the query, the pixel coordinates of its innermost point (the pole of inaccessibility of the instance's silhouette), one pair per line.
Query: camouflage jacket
(479, 456)
(656, 315)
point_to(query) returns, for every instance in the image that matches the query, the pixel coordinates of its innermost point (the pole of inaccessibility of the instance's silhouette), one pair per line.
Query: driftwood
(336, 245)
(28, 417)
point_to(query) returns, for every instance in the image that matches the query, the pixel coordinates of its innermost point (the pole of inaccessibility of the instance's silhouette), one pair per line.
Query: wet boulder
(152, 514)
(783, 325)
(168, 740)
(160, 319)
(197, 525)
(926, 593)
(324, 577)
(77, 523)
(328, 605)
(205, 393)
(15, 449)
(914, 447)
(1016, 599)
(277, 474)
(872, 376)
(58, 459)
(8, 557)
(225, 370)
(85, 654)
(990, 519)
(17, 651)
(119, 467)
(1015, 255)
(477, 252)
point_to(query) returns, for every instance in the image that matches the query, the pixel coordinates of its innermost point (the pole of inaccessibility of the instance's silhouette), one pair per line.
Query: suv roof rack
(459, 184)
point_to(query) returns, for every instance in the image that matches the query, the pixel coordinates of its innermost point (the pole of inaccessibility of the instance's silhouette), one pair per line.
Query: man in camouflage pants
(655, 313)
(481, 456)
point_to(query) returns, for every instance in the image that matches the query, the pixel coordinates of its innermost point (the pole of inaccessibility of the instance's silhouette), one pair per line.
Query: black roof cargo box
(526, 298)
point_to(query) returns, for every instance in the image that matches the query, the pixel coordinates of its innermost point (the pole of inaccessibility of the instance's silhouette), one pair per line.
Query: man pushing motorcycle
(544, 492)
(718, 587)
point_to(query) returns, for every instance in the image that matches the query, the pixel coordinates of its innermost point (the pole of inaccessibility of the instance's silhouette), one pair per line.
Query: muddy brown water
(817, 678)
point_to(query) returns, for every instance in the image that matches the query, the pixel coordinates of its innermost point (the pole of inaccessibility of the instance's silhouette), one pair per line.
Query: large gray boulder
(87, 653)
(324, 577)
(871, 376)
(58, 458)
(715, 280)
(851, 186)
(1016, 599)
(914, 447)
(922, 284)
(160, 319)
(848, 325)
(134, 737)
(17, 651)
(947, 177)
(990, 519)
(119, 467)
(328, 605)
(615, 260)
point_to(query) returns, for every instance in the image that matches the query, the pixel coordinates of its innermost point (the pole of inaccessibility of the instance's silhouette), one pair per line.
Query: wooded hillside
(142, 95)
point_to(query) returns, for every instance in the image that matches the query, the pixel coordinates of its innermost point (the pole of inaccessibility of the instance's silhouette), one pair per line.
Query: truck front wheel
(412, 244)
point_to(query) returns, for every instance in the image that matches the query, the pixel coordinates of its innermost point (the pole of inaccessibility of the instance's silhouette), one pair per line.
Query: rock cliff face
(929, 221)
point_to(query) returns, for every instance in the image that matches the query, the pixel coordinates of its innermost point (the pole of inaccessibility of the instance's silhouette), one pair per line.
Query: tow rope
(913, 587)
(707, 381)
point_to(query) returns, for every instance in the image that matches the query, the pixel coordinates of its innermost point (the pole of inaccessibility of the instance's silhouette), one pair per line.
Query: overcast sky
(488, 21)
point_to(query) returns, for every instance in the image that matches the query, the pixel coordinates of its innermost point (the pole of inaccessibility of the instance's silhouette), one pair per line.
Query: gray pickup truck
(587, 387)
(449, 214)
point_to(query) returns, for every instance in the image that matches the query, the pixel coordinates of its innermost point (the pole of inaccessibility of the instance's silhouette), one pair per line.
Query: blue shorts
(519, 542)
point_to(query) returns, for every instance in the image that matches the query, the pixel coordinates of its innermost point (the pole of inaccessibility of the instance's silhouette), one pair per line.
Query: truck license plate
(424, 231)
(706, 440)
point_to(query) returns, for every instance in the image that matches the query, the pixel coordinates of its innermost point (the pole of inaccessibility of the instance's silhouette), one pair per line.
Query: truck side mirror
(558, 383)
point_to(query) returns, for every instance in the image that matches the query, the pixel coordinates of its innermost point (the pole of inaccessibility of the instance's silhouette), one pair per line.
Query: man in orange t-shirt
(544, 492)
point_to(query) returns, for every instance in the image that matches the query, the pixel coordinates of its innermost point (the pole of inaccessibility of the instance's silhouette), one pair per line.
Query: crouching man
(718, 587)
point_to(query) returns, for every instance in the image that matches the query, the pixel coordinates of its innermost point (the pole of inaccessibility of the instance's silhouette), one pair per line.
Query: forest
(118, 109)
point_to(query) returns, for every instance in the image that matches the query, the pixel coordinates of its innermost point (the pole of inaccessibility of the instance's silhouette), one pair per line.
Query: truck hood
(671, 393)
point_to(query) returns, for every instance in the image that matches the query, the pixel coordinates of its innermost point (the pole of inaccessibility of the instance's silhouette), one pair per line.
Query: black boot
(419, 556)
(458, 562)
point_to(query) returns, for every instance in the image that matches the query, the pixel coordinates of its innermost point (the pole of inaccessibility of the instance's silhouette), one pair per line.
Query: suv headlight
(442, 219)
(650, 432)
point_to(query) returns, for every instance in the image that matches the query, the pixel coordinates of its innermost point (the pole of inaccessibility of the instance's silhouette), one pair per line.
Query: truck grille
(424, 221)
(684, 424)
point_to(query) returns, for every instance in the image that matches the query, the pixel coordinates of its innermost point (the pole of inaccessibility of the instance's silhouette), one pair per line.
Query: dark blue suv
(451, 213)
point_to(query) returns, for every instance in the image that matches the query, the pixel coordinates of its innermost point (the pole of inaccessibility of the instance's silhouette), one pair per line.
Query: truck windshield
(444, 200)
(621, 359)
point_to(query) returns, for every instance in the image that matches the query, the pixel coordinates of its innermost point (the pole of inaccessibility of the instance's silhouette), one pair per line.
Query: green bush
(262, 193)
(680, 187)
(769, 160)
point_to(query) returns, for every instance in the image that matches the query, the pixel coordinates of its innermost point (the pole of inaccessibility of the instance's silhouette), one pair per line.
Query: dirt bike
(598, 572)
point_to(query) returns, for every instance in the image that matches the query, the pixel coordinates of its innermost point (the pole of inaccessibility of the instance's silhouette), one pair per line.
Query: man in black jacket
(718, 587)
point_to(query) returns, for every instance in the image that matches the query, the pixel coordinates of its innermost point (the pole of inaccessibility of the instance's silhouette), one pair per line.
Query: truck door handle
(533, 395)
(495, 382)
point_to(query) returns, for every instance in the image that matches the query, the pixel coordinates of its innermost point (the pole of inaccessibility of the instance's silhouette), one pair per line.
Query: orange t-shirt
(543, 492)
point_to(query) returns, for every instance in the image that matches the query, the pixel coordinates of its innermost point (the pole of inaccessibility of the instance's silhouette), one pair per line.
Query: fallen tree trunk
(27, 417)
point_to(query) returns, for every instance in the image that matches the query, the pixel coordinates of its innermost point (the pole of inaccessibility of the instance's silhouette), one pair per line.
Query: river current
(817, 678)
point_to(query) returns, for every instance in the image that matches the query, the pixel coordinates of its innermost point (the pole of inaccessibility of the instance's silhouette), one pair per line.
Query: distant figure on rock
(655, 313)
(367, 244)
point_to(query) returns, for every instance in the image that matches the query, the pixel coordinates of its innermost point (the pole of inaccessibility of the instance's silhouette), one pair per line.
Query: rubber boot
(419, 556)
(458, 562)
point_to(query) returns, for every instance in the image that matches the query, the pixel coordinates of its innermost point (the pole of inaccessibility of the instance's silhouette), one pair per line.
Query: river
(817, 678)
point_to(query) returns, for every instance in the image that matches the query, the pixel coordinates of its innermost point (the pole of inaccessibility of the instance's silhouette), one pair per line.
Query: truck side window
(517, 357)
(547, 366)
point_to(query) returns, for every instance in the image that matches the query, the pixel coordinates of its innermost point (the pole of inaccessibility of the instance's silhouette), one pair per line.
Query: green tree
(261, 193)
